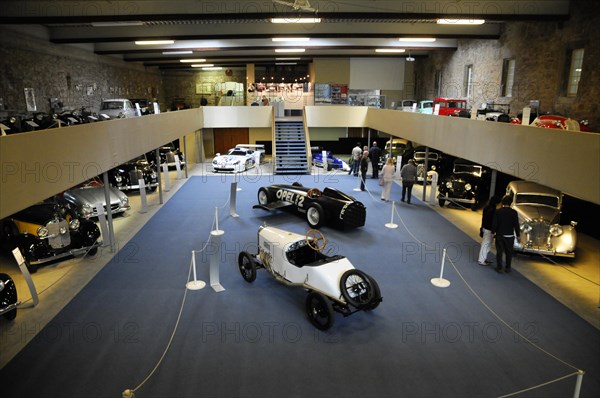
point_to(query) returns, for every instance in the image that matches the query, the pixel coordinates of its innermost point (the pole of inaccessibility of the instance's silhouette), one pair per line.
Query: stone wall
(76, 76)
(540, 53)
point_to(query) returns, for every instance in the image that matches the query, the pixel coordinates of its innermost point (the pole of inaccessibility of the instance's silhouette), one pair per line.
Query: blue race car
(332, 162)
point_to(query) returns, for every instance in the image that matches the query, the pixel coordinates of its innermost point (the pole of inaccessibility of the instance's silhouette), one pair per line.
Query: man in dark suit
(374, 154)
(505, 228)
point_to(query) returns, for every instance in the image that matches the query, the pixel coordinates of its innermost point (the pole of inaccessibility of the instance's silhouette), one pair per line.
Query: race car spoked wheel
(263, 197)
(357, 289)
(319, 311)
(376, 295)
(318, 240)
(314, 215)
(247, 267)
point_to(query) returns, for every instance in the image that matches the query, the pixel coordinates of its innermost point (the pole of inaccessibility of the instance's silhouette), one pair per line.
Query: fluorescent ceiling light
(212, 68)
(417, 39)
(288, 59)
(461, 21)
(153, 42)
(289, 50)
(296, 39)
(202, 65)
(286, 63)
(295, 20)
(389, 50)
(192, 60)
(116, 23)
(177, 52)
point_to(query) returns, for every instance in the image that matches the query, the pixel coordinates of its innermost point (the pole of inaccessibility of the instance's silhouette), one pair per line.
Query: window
(468, 89)
(508, 78)
(575, 62)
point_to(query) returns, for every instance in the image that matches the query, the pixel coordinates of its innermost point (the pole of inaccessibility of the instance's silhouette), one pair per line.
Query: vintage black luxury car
(8, 297)
(329, 206)
(468, 184)
(167, 155)
(49, 231)
(126, 176)
(436, 162)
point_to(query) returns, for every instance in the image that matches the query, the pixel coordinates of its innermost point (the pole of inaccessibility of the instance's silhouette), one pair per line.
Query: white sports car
(298, 260)
(236, 160)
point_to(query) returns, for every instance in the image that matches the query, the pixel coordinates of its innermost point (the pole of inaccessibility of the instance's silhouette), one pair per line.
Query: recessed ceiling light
(289, 50)
(295, 39)
(461, 21)
(295, 20)
(288, 59)
(212, 68)
(417, 39)
(202, 65)
(153, 42)
(192, 60)
(390, 50)
(177, 52)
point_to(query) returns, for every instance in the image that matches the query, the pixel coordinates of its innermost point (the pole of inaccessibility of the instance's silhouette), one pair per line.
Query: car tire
(247, 267)
(442, 202)
(357, 288)
(315, 216)
(475, 206)
(376, 296)
(319, 311)
(263, 197)
(92, 252)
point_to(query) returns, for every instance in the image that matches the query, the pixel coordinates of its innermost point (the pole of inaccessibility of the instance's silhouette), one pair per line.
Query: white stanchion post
(580, 374)
(165, 168)
(433, 191)
(215, 258)
(441, 282)
(178, 167)
(526, 116)
(235, 179)
(23, 267)
(232, 200)
(398, 167)
(391, 224)
(143, 199)
(103, 224)
(324, 161)
(195, 284)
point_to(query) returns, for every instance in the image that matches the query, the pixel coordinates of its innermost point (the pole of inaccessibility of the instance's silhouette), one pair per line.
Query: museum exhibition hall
(354, 198)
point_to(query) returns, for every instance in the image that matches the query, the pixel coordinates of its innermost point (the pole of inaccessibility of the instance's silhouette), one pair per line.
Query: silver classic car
(539, 209)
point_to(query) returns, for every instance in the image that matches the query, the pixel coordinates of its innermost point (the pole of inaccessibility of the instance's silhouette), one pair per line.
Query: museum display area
(174, 229)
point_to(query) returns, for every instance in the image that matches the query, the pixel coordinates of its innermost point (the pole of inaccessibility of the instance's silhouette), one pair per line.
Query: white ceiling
(235, 33)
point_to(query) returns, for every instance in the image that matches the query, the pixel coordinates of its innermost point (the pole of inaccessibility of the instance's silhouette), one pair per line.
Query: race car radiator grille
(354, 215)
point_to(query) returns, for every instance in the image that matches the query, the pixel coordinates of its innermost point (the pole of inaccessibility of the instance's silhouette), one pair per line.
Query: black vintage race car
(126, 176)
(8, 297)
(49, 231)
(469, 184)
(330, 206)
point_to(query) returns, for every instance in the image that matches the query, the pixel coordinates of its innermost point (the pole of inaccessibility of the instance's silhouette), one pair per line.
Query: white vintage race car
(298, 260)
(236, 160)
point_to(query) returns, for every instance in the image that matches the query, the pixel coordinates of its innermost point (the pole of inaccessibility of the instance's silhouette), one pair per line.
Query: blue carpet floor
(253, 340)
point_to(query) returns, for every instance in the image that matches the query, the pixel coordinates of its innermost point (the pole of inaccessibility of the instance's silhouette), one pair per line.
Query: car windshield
(467, 168)
(237, 152)
(536, 199)
(112, 105)
(427, 105)
(421, 156)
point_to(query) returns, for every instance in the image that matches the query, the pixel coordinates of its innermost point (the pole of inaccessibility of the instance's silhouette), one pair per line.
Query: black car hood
(36, 214)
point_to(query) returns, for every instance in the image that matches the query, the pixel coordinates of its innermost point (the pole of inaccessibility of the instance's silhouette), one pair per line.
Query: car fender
(326, 278)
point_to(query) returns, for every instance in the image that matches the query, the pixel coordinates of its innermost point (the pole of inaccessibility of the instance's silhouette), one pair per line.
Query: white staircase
(290, 147)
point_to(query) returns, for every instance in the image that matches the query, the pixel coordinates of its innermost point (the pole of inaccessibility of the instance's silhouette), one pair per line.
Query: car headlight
(42, 232)
(236, 162)
(153, 175)
(468, 187)
(74, 224)
(124, 200)
(555, 230)
(449, 184)
(118, 178)
(87, 210)
(433, 167)
(525, 227)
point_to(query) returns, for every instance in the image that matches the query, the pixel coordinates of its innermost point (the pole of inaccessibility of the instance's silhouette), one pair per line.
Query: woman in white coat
(387, 175)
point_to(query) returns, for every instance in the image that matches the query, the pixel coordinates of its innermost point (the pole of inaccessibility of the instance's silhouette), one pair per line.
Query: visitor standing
(364, 166)
(374, 154)
(485, 232)
(505, 228)
(387, 175)
(408, 174)
(356, 155)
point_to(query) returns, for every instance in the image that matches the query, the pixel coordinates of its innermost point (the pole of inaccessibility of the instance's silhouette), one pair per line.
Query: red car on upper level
(556, 122)
(450, 106)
